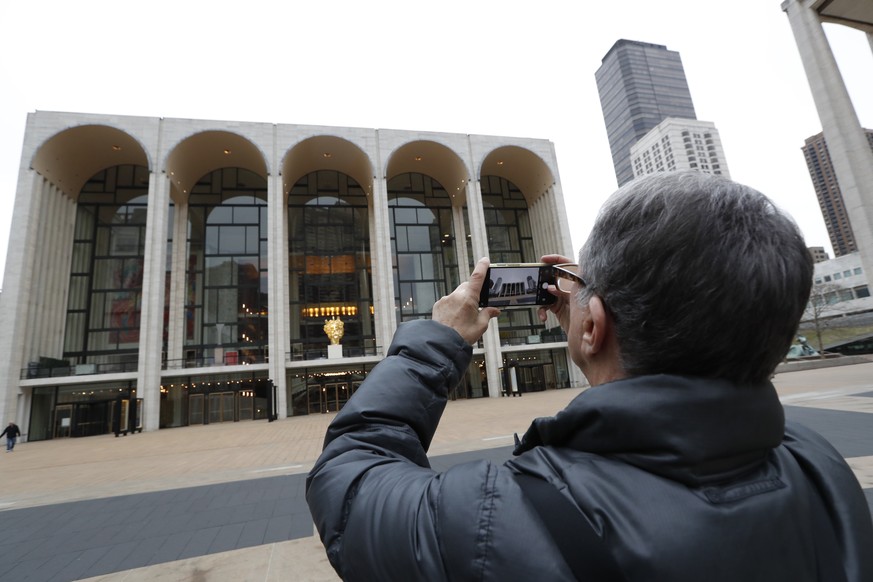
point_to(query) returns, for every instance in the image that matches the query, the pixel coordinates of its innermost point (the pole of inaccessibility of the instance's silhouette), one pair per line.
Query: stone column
(847, 143)
(61, 290)
(381, 260)
(460, 239)
(277, 300)
(16, 305)
(479, 237)
(178, 284)
(151, 325)
(45, 270)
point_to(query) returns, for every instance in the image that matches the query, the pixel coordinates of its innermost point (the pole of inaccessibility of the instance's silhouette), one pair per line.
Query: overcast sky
(515, 68)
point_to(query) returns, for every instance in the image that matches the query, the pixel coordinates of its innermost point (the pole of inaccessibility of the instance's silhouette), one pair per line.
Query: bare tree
(826, 306)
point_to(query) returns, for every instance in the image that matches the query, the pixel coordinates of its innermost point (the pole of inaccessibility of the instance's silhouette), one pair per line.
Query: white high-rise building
(679, 144)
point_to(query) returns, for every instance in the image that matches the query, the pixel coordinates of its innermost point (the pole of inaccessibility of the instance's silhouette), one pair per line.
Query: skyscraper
(830, 198)
(640, 85)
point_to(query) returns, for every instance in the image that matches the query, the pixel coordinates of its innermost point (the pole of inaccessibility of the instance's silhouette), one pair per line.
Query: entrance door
(92, 418)
(221, 407)
(314, 399)
(246, 405)
(336, 395)
(63, 424)
(195, 409)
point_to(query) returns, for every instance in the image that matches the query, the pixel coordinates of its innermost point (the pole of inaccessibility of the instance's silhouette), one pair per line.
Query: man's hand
(561, 307)
(460, 310)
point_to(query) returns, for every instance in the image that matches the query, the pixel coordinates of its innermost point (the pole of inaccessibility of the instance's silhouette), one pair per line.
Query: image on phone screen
(524, 285)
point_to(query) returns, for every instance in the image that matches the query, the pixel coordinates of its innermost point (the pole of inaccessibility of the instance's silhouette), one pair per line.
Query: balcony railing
(554, 335)
(228, 359)
(37, 370)
(299, 354)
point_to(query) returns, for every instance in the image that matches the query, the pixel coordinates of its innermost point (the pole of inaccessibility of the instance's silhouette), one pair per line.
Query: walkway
(225, 502)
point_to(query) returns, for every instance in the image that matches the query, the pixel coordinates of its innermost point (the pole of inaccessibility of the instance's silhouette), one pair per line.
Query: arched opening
(329, 269)
(105, 295)
(226, 272)
(424, 260)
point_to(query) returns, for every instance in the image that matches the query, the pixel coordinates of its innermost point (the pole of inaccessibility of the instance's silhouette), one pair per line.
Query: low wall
(829, 362)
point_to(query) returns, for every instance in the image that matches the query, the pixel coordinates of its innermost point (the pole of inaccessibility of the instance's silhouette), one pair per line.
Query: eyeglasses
(565, 277)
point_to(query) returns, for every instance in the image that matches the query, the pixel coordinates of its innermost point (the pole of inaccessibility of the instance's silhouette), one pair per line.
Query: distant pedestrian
(12, 431)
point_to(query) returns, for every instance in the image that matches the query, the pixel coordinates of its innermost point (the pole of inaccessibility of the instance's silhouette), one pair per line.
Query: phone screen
(517, 285)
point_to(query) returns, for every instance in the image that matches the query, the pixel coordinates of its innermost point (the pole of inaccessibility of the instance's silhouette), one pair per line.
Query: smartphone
(517, 285)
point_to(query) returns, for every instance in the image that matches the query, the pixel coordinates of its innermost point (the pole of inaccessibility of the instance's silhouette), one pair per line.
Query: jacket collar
(694, 430)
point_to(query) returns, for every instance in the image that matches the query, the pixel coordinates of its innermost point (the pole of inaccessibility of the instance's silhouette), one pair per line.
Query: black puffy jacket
(684, 479)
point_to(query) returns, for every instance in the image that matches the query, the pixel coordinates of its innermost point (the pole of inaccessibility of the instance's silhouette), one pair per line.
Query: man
(687, 295)
(12, 432)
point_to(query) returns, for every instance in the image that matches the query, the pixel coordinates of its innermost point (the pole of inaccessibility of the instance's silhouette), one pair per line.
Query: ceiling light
(227, 151)
(327, 154)
(116, 148)
(417, 158)
(499, 162)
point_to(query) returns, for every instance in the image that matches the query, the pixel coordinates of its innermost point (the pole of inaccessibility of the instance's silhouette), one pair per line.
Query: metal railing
(299, 355)
(547, 337)
(37, 370)
(209, 361)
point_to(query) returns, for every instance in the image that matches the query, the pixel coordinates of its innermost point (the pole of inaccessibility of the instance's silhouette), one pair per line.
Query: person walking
(12, 432)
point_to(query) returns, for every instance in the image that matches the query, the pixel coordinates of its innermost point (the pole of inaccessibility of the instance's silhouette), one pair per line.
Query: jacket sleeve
(842, 495)
(371, 493)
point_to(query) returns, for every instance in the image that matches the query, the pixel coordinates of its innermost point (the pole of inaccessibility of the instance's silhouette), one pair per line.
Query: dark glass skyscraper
(640, 85)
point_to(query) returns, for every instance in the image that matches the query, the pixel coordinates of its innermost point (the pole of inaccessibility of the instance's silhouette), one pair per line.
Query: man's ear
(595, 326)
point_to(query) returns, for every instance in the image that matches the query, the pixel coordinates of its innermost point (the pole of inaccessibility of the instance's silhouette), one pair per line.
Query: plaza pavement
(224, 501)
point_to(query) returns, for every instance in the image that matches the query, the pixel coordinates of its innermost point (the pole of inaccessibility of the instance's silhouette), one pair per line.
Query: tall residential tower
(640, 85)
(827, 189)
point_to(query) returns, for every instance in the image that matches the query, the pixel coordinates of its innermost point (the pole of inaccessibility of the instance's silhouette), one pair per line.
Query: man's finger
(555, 259)
(477, 277)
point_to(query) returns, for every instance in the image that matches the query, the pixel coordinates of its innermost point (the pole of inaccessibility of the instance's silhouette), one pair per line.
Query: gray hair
(702, 276)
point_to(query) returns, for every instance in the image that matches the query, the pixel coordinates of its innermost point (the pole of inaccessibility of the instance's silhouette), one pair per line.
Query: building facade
(840, 288)
(818, 254)
(679, 144)
(640, 85)
(827, 190)
(173, 272)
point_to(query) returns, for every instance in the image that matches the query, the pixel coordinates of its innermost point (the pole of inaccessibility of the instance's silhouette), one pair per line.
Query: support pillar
(381, 260)
(178, 277)
(277, 300)
(847, 143)
(151, 325)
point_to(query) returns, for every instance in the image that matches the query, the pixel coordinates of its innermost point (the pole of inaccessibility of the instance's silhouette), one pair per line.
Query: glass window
(422, 241)
(104, 302)
(232, 240)
(228, 255)
(329, 263)
(510, 240)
